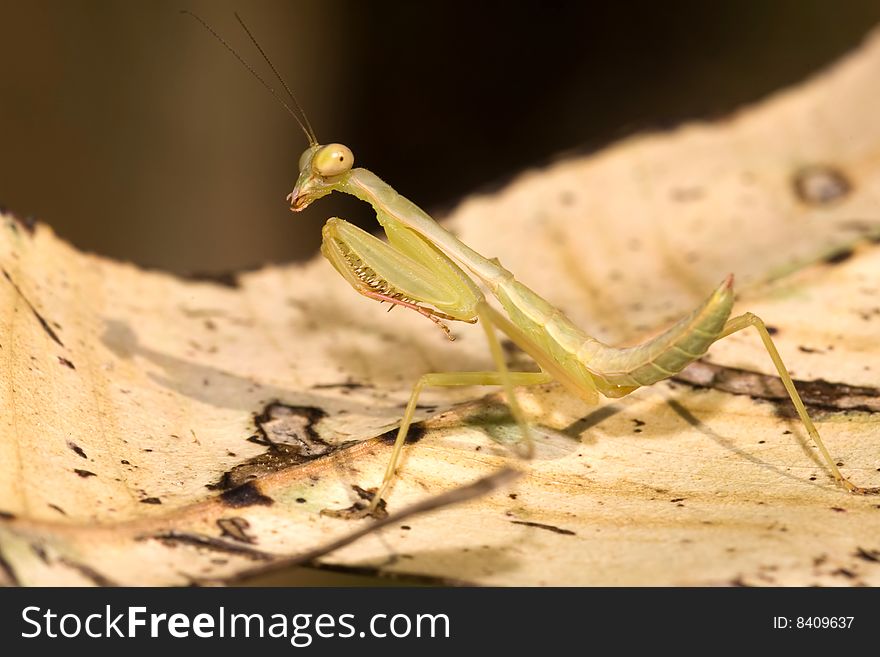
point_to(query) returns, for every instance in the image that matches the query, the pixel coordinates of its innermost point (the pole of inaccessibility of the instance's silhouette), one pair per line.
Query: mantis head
(322, 169)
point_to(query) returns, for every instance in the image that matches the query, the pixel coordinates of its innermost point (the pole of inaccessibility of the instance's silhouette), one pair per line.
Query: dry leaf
(162, 431)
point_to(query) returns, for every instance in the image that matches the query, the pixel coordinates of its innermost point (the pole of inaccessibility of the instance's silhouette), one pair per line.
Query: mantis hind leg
(503, 377)
(748, 319)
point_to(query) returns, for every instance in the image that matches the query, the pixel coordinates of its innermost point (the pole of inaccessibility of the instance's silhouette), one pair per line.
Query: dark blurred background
(135, 135)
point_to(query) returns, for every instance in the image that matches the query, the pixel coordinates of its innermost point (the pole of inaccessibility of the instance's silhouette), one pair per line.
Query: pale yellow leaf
(161, 431)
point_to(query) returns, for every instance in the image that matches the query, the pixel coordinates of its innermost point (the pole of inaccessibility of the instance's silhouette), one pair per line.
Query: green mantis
(426, 269)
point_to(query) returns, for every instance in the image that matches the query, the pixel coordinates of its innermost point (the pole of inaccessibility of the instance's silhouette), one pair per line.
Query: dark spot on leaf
(415, 434)
(40, 551)
(868, 555)
(58, 509)
(84, 473)
(820, 184)
(76, 448)
(151, 500)
(840, 255)
(405, 527)
(245, 495)
(6, 515)
(43, 323)
(360, 509)
(541, 525)
(838, 509)
(346, 385)
(235, 528)
(66, 363)
(290, 436)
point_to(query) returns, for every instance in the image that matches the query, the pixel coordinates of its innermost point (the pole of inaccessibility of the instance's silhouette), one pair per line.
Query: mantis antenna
(300, 114)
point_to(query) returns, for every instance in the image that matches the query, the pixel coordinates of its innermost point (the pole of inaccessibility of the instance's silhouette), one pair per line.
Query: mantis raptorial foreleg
(411, 272)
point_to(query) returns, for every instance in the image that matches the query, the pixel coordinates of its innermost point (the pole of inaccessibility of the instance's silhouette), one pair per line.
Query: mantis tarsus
(417, 269)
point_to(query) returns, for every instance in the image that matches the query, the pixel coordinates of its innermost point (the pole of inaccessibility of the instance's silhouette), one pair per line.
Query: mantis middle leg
(502, 377)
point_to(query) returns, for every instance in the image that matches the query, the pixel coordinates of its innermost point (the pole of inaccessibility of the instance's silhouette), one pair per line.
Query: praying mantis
(426, 269)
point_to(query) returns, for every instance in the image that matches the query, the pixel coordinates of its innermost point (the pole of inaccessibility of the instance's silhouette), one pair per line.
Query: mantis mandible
(422, 267)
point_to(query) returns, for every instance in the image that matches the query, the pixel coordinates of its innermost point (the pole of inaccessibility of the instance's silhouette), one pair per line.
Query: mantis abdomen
(616, 371)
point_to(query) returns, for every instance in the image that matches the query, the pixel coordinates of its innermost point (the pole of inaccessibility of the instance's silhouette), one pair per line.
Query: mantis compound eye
(332, 160)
